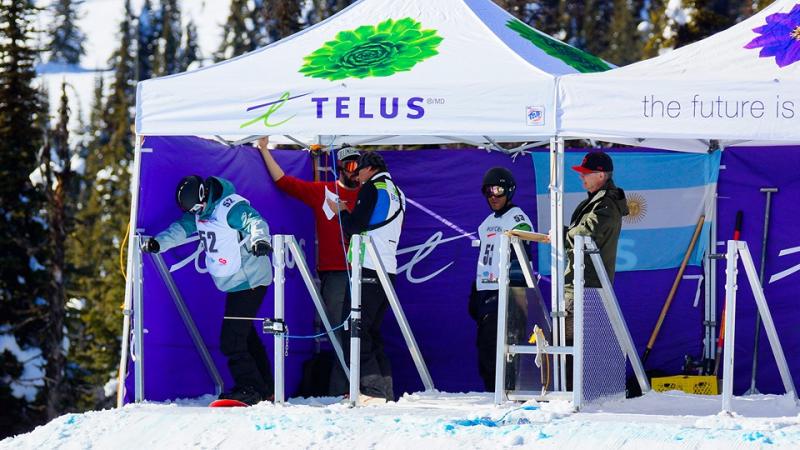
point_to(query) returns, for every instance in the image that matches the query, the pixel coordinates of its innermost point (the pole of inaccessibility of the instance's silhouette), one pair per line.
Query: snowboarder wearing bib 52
(237, 243)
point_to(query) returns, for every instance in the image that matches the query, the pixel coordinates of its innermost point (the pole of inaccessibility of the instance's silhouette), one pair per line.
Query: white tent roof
(411, 71)
(739, 87)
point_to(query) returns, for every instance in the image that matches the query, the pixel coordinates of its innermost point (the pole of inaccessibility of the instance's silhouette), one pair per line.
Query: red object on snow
(227, 403)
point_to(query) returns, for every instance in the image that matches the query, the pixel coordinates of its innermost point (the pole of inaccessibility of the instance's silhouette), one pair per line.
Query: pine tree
(322, 9)
(243, 30)
(282, 18)
(542, 15)
(190, 50)
(103, 219)
(625, 42)
(66, 39)
(169, 42)
(707, 17)
(660, 30)
(23, 283)
(147, 32)
(60, 193)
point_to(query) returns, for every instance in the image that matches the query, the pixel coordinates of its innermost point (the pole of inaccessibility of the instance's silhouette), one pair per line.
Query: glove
(262, 248)
(151, 246)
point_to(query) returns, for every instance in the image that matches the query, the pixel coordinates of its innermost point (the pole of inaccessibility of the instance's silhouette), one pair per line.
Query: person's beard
(347, 181)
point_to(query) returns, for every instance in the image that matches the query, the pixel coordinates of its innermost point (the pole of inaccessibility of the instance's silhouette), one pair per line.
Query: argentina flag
(666, 192)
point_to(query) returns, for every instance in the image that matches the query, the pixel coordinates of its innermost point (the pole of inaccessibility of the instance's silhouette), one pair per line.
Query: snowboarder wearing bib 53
(236, 241)
(498, 187)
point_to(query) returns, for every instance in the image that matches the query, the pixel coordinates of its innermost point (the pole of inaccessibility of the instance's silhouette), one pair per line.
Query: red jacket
(312, 193)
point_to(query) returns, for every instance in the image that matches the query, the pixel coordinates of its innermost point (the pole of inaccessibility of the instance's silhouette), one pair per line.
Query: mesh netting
(603, 359)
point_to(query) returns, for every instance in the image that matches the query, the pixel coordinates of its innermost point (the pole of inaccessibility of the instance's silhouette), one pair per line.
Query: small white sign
(327, 209)
(534, 116)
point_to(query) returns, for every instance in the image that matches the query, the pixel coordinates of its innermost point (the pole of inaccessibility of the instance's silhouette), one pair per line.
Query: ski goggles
(349, 166)
(196, 208)
(494, 191)
(201, 194)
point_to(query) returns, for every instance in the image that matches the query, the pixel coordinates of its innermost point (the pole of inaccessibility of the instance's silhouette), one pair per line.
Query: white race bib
(220, 241)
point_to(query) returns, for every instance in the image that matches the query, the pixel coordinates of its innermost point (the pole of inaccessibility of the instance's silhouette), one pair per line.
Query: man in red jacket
(331, 260)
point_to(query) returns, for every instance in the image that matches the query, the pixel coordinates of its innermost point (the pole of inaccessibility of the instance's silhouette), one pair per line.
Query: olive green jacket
(600, 217)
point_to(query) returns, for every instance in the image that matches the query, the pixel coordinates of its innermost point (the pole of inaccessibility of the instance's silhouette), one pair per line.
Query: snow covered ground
(431, 420)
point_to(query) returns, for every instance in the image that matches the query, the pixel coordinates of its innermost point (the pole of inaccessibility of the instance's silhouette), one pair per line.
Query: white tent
(383, 71)
(738, 87)
(379, 72)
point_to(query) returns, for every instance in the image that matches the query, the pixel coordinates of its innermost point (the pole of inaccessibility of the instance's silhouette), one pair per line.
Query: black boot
(245, 394)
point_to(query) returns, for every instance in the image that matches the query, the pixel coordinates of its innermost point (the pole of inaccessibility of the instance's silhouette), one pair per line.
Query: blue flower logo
(780, 37)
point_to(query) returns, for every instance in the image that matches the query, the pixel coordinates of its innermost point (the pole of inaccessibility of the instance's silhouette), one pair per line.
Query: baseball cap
(595, 162)
(347, 152)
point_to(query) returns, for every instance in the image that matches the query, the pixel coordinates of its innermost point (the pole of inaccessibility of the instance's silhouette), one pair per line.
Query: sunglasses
(494, 191)
(349, 166)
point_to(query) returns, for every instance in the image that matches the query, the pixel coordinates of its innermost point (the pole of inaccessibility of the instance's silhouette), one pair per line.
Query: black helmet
(371, 159)
(190, 193)
(500, 176)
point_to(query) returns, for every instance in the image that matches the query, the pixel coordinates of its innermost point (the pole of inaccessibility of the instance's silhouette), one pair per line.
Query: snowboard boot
(244, 394)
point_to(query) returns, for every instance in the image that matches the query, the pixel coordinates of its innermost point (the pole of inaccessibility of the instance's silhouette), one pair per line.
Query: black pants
(376, 371)
(483, 308)
(240, 343)
(334, 287)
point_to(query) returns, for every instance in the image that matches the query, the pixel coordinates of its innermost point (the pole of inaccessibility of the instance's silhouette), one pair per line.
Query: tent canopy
(385, 71)
(738, 87)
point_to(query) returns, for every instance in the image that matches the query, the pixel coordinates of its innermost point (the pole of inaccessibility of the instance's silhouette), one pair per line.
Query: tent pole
(557, 257)
(711, 279)
(126, 308)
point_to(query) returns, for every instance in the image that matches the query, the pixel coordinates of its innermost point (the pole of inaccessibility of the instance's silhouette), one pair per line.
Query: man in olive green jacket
(599, 217)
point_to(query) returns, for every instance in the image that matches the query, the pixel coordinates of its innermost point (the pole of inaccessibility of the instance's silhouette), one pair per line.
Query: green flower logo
(373, 51)
(579, 60)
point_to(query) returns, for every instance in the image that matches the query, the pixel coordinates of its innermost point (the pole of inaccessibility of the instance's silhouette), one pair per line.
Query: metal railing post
(279, 264)
(730, 326)
(766, 316)
(577, 325)
(305, 272)
(502, 315)
(355, 318)
(180, 305)
(400, 316)
(524, 262)
(614, 313)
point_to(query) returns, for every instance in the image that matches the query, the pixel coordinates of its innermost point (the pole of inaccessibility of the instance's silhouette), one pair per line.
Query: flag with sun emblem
(667, 193)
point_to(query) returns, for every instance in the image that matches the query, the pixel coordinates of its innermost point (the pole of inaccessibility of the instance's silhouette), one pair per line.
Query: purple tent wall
(173, 368)
(446, 183)
(746, 170)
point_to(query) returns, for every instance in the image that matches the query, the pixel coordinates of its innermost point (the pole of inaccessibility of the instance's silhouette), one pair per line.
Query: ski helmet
(190, 193)
(500, 176)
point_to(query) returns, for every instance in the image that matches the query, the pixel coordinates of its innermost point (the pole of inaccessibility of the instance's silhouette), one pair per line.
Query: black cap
(595, 162)
(371, 159)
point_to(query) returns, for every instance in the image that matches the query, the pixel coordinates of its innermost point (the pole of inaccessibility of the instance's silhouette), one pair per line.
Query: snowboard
(227, 403)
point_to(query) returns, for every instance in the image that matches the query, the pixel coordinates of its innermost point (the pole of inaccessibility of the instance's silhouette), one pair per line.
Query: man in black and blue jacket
(378, 213)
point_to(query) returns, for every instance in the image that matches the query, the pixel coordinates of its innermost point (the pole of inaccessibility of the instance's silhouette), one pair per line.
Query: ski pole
(737, 233)
(769, 191)
(674, 289)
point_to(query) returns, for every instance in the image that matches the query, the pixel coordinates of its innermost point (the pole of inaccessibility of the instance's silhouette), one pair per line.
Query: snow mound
(430, 420)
